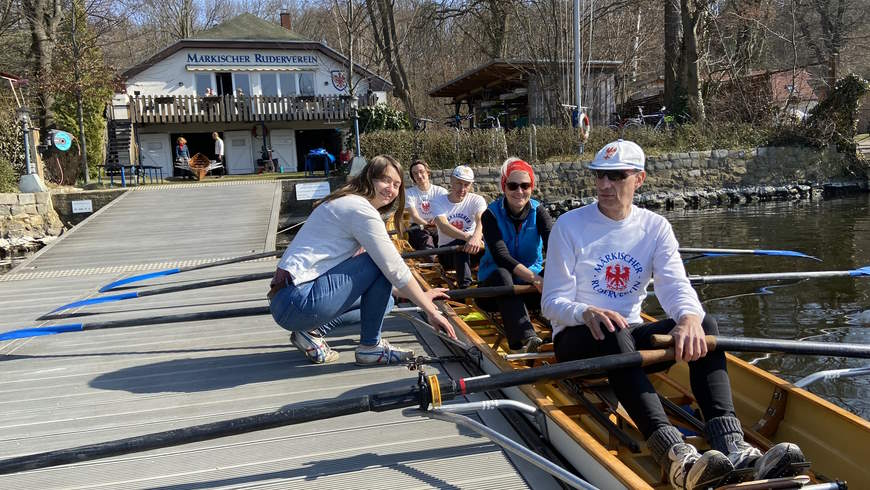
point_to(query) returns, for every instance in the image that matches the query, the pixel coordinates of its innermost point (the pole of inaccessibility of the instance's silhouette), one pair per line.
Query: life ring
(585, 127)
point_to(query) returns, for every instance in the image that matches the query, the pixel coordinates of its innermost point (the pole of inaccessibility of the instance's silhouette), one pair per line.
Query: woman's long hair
(363, 185)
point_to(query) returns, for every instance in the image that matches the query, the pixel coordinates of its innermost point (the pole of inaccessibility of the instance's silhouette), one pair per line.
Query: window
(242, 81)
(203, 82)
(288, 83)
(269, 84)
(306, 83)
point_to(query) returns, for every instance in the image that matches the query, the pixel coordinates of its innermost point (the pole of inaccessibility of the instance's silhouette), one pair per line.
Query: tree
(684, 23)
(43, 17)
(383, 21)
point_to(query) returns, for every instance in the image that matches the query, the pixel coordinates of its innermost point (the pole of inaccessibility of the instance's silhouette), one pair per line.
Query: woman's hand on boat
(438, 321)
(689, 341)
(595, 317)
(437, 293)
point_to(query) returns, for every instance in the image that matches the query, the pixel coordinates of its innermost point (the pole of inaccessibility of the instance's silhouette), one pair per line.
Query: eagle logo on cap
(609, 151)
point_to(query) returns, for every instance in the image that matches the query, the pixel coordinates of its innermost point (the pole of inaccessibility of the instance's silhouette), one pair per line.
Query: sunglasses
(512, 186)
(614, 175)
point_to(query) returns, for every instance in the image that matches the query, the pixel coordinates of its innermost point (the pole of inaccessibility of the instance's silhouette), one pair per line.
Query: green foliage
(95, 83)
(11, 151)
(445, 149)
(381, 117)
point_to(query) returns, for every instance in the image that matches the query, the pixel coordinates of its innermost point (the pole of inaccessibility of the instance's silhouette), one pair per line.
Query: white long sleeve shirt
(334, 232)
(594, 260)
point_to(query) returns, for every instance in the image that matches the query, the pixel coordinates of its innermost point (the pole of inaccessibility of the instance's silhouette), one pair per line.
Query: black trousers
(514, 309)
(461, 262)
(422, 238)
(708, 375)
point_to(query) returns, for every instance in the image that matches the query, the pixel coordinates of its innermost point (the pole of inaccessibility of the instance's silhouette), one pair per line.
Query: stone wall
(63, 203)
(27, 222)
(694, 178)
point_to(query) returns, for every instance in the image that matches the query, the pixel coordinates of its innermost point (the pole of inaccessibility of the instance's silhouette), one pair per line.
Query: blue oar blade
(786, 253)
(95, 301)
(40, 331)
(862, 272)
(140, 277)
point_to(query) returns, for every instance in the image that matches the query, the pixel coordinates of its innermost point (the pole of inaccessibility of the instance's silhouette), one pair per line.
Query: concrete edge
(272, 229)
(51, 245)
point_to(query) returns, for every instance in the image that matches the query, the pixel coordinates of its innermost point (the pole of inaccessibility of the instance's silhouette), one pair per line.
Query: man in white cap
(600, 260)
(457, 217)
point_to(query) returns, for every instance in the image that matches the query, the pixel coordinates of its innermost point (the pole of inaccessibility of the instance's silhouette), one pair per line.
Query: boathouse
(527, 91)
(263, 88)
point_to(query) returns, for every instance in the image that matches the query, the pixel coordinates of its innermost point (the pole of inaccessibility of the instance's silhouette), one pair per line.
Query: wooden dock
(72, 389)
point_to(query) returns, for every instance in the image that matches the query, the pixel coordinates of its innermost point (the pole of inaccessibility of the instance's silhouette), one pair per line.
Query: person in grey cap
(600, 260)
(457, 217)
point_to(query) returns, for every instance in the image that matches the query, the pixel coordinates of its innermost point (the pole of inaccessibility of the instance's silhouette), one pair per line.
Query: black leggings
(514, 309)
(461, 262)
(708, 375)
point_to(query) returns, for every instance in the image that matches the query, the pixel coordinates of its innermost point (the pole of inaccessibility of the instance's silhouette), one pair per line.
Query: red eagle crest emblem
(609, 151)
(425, 206)
(339, 80)
(616, 277)
(458, 224)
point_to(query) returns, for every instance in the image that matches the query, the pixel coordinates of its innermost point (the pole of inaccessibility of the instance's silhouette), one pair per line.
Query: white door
(284, 148)
(240, 158)
(155, 150)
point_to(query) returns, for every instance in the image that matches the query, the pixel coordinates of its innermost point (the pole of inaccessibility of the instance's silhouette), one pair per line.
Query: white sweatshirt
(594, 260)
(334, 232)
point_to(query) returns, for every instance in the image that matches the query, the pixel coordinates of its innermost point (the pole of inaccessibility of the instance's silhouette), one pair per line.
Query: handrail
(158, 109)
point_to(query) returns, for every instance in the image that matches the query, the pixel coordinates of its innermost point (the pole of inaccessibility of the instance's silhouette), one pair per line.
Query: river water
(831, 310)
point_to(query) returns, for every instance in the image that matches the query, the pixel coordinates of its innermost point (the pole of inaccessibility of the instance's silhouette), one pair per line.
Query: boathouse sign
(260, 59)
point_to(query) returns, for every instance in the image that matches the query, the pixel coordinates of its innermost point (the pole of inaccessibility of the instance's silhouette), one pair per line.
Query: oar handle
(660, 341)
(431, 251)
(491, 292)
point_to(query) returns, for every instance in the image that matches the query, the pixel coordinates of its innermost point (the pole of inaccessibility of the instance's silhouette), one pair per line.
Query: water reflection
(836, 231)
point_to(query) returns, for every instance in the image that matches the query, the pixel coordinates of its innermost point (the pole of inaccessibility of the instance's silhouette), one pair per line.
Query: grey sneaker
(690, 470)
(783, 459)
(744, 456)
(315, 348)
(383, 353)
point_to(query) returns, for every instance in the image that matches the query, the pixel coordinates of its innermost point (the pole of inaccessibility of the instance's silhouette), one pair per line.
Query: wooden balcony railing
(153, 109)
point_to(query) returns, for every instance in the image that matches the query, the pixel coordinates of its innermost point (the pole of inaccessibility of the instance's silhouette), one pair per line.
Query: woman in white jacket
(342, 266)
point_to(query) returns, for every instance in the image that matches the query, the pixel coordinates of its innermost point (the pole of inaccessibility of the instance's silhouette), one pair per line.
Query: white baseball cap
(463, 172)
(619, 155)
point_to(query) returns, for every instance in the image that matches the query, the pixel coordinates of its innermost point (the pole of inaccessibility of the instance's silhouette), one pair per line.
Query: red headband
(517, 165)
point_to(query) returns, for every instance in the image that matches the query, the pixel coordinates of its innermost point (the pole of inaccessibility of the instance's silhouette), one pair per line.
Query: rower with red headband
(515, 230)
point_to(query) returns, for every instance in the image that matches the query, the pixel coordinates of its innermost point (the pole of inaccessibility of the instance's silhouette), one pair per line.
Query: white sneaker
(690, 469)
(783, 459)
(315, 348)
(382, 353)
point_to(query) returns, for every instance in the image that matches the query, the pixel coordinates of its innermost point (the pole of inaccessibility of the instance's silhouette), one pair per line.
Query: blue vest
(526, 246)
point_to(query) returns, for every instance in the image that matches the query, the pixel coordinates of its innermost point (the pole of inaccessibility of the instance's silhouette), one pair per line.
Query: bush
(486, 147)
(11, 151)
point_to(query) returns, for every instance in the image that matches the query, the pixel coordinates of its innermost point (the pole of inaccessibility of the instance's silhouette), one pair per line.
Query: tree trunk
(673, 51)
(43, 18)
(692, 18)
(384, 30)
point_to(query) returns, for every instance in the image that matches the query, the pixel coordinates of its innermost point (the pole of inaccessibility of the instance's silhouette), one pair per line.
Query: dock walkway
(67, 390)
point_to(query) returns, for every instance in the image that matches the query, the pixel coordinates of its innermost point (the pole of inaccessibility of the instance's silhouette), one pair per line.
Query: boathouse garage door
(284, 149)
(239, 155)
(156, 150)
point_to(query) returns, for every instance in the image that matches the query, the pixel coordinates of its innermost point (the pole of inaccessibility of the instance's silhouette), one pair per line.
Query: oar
(245, 258)
(779, 276)
(486, 292)
(170, 289)
(742, 344)
(133, 322)
(168, 272)
(721, 252)
(428, 391)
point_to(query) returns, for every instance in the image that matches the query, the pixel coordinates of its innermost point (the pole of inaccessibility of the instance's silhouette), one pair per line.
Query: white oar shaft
(776, 276)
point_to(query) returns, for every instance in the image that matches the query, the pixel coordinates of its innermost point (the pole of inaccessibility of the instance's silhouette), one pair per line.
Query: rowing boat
(595, 435)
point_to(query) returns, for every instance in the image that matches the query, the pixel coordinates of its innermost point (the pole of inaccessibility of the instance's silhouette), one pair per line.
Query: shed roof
(500, 70)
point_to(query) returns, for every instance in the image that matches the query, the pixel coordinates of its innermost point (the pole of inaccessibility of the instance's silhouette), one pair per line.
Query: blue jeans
(354, 291)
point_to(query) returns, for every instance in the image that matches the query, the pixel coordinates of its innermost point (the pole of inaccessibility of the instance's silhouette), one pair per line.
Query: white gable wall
(173, 75)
